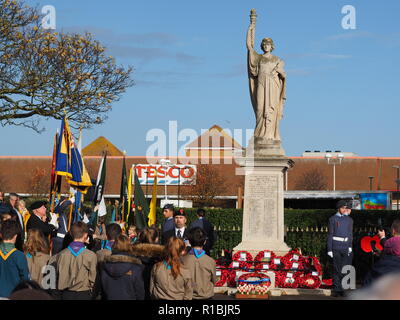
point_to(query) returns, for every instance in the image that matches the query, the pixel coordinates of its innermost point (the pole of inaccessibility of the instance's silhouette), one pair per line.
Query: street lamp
(165, 163)
(179, 181)
(334, 160)
(370, 182)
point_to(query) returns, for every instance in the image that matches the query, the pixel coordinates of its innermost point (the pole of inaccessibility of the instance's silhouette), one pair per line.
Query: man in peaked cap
(39, 221)
(340, 239)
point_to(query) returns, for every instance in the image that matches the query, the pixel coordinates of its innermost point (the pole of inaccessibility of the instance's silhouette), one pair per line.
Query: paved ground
(219, 296)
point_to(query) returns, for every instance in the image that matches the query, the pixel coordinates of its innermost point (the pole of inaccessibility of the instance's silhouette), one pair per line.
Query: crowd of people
(44, 256)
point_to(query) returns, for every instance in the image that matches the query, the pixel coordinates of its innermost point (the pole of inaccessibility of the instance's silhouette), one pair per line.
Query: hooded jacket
(122, 277)
(149, 254)
(385, 265)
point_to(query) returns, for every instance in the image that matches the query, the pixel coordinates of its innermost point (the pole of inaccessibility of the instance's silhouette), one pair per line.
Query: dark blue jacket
(340, 226)
(208, 228)
(167, 225)
(13, 270)
(385, 265)
(122, 278)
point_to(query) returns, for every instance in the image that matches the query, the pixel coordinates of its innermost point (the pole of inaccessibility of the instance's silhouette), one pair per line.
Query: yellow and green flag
(152, 213)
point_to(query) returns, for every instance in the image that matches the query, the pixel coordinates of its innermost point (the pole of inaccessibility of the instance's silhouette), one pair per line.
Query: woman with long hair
(37, 253)
(121, 274)
(170, 280)
(149, 251)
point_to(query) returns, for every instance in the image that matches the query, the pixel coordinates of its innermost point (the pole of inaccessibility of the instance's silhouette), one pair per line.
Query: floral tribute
(253, 283)
(242, 260)
(293, 270)
(309, 281)
(264, 260)
(293, 260)
(285, 279)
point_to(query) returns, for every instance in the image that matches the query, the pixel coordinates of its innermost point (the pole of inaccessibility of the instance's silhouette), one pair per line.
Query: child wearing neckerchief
(76, 266)
(200, 265)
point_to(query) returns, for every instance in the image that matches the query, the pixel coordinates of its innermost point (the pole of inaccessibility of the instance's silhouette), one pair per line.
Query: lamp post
(370, 182)
(165, 163)
(397, 184)
(179, 182)
(334, 160)
(147, 182)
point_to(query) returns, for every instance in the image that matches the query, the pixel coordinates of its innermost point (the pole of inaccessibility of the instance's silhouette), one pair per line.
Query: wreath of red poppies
(326, 284)
(292, 258)
(309, 281)
(231, 278)
(261, 260)
(223, 279)
(259, 286)
(317, 265)
(243, 264)
(283, 281)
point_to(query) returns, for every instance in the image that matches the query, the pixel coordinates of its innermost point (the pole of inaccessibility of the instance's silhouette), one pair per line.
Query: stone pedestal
(263, 216)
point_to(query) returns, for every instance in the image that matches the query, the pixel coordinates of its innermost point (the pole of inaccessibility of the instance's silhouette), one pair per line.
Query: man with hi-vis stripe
(340, 240)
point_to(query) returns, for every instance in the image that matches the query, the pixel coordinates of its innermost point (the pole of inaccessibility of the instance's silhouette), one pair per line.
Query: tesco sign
(171, 175)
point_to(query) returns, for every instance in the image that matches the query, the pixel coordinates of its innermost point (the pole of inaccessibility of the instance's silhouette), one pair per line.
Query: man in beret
(179, 230)
(340, 240)
(168, 212)
(39, 221)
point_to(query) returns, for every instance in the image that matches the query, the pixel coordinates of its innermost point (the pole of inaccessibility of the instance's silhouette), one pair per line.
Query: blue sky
(190, 66)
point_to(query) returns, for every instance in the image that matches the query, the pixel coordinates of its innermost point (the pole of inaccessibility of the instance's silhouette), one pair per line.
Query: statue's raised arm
(251, 31)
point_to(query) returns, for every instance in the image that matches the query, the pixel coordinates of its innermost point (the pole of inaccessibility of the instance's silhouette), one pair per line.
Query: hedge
(304, 229)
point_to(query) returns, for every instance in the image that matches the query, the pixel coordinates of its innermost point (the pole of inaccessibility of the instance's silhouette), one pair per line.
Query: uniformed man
(340, 239)
(38, 219)
(62, 209)
(168, 212)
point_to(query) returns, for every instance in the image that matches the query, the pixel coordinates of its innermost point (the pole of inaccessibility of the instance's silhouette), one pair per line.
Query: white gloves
(53, 220)
(330, 253)
(85, 218)
(72, 199)
(350, 250)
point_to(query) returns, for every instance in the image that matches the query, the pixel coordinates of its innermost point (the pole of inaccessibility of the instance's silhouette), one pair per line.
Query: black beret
(179, 213)
(169, 206)
(37, 205)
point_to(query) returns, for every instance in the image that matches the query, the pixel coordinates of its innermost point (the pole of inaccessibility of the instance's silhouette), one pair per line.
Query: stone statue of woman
(267, 88)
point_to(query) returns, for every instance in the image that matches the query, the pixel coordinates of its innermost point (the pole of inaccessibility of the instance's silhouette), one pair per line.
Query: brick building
(310, 183)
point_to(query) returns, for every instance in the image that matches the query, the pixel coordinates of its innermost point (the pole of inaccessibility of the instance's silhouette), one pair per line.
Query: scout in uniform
(76, 266)
(200, 265)
(13, 264)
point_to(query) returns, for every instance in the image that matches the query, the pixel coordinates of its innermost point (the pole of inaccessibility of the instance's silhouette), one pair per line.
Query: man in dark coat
(207, 226)
(179, 230)
(38, 219)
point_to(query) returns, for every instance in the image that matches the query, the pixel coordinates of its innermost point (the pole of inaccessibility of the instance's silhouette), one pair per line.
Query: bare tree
(38, 182)
(206, 186)
(44, 74)
(312, 179)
